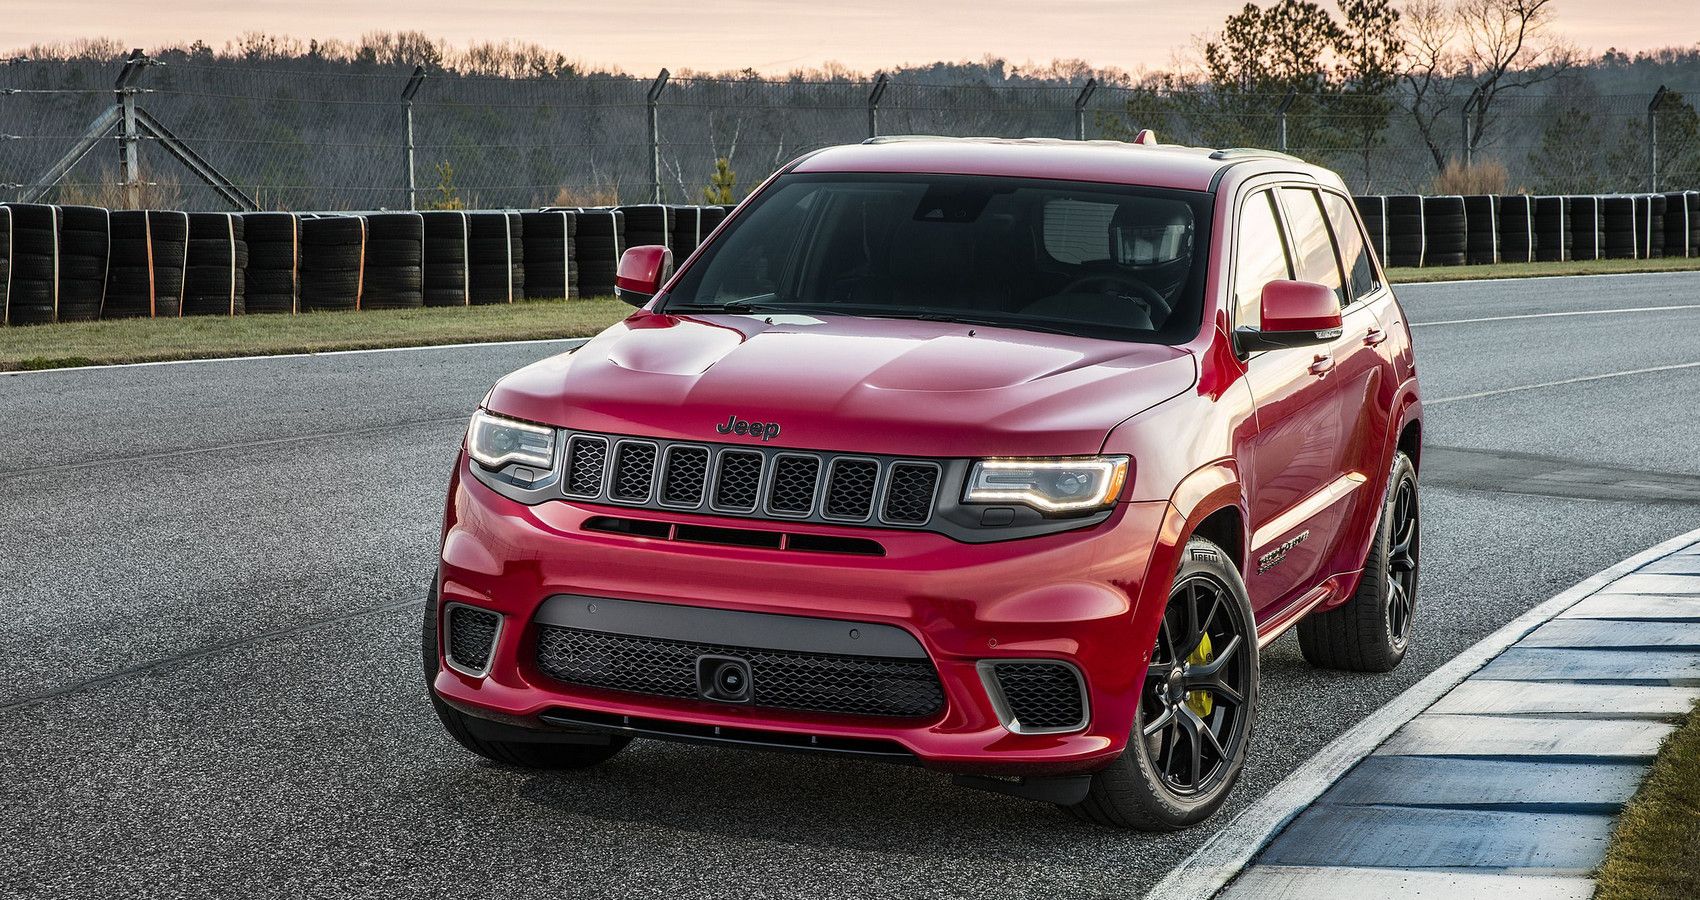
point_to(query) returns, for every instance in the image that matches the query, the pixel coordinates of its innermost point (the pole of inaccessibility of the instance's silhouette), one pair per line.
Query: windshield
(1107, 261)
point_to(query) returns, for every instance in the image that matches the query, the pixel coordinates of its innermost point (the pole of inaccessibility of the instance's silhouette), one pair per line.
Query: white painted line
(1421, 284)
(1562, 381)
(1229, 850)
(1557, 315)
(226, 359)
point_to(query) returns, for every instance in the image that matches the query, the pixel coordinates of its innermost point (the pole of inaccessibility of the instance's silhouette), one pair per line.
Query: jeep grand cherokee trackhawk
(999, 457)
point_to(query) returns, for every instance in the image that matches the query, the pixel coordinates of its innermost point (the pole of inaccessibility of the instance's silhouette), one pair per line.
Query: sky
(641, 36)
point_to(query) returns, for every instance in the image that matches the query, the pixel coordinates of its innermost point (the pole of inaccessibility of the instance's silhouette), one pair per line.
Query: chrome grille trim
(828, 467)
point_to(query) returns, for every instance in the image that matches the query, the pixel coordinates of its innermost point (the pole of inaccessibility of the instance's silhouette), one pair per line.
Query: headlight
(1061, 484)
(496, 441)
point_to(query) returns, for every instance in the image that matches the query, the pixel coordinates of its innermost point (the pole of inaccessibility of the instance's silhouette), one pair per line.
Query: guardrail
(78, 263)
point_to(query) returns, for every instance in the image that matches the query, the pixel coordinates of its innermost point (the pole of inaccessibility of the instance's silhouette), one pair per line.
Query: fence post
(129, 147)
(1080, 101)
(874, 105)
(1281, 118)
(655, 136)
(407, 93)
(1653, 139)
(1469, 105)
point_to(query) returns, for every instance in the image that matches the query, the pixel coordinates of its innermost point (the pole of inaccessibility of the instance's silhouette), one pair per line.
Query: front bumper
(1081, 596)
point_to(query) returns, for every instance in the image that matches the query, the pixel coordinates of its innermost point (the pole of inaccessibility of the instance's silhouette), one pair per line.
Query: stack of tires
(495, 257)
(85, 245)
(549, 270)
(444, 266)
(213, 280)
(33, 295)
(649, 223)
(1692, 204)
(1585, 225)
(1679, 229)
(1517, 228)
(1374, 213)
(1446, 237)
(1481, 226)
(601, 239)
(1405, 230)
(129, 273)
(395, 259)
(1649, 227)
(1552, 229)
(5, 258)
(333, 262)
(274, 252)
(691, 224)
(168, 238)
(1618, 218)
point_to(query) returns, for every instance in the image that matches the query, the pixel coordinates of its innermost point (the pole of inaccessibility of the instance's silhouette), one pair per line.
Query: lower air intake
(1035, 696)
(471, 638)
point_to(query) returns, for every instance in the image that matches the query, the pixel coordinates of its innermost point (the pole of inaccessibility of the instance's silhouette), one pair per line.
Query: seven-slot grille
(747, 481)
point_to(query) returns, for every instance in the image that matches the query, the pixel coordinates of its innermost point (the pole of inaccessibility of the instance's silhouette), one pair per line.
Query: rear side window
(1260, 257)
(1360, 272)
(1312, 242)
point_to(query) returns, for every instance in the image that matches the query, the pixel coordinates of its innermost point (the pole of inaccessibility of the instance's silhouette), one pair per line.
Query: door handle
(1374, 336)
(1323, 364)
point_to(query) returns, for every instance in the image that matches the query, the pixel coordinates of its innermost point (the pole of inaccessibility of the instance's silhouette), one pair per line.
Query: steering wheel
(1111, 282)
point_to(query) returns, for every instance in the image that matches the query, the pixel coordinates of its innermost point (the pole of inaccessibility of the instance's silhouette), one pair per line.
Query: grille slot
(634, 471)
(1041, 696)
(850, 486)
(909, 493)
(738, 482)
(684, 475)
(792, 492)
(586, 457)
(781, 679)
(471, 636)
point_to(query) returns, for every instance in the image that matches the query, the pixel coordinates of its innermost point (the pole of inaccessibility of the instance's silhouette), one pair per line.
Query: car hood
(846, 383)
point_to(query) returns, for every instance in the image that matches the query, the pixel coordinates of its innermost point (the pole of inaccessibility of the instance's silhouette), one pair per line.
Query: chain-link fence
(306, 134)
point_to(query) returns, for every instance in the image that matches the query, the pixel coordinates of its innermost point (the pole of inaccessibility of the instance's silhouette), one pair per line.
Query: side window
(1259, 257)
(1312, 242)
(1360, 272)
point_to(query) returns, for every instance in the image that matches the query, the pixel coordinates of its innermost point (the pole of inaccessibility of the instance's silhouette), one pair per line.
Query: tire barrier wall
(444, 267)
(395, 261)
(274, 262)
(333, 262)
(76, 262)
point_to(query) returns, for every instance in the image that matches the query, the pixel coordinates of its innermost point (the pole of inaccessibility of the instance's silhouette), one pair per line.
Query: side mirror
(642, 272)
(1295, 314)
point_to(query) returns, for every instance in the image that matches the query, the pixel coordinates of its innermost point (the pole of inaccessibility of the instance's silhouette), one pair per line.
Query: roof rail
(1252, 153)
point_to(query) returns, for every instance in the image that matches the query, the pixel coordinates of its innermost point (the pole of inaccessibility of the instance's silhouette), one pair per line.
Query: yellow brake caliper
(1200, 702)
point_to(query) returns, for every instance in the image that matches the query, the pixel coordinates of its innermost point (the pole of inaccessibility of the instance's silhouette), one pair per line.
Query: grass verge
(1539, 269)
(1655, 849)
(209, 337)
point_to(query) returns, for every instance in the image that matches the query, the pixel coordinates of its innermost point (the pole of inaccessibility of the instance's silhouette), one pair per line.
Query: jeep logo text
(767, 431)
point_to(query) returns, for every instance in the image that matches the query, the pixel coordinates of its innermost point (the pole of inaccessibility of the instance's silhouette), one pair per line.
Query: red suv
(1002, 457)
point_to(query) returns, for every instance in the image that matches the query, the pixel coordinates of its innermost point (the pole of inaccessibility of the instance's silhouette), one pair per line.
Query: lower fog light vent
(471, 638)
(1036, 696)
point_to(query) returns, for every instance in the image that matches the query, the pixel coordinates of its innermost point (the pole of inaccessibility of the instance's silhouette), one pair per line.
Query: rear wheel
(521, 754)
(1372, 631)
(1196, 706)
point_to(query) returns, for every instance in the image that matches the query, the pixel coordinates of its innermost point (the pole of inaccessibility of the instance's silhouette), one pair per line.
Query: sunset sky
(767, 35)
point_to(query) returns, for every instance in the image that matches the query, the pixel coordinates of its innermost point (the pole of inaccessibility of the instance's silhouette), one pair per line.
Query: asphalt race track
(210, 577)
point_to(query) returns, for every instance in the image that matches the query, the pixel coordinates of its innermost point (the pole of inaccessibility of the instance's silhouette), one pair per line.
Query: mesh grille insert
(780, 679)
(793, 489)
(634, 468)
(739, 482)
(850, 489)
(683, 475)
(471, 632)
(585, 459)
(909, 495)
(1042, 695)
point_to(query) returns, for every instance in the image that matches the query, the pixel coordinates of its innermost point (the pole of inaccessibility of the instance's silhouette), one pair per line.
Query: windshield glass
(1107, 261)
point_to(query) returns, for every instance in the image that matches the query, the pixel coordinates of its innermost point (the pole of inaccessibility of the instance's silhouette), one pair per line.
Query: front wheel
(1196, 706)
(1372, 631)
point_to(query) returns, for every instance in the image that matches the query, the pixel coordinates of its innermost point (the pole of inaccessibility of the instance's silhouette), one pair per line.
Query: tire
(1135, 791)
(524, 755)
(1372, 631)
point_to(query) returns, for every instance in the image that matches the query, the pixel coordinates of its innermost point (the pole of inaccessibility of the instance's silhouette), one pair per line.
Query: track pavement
(211, 571)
